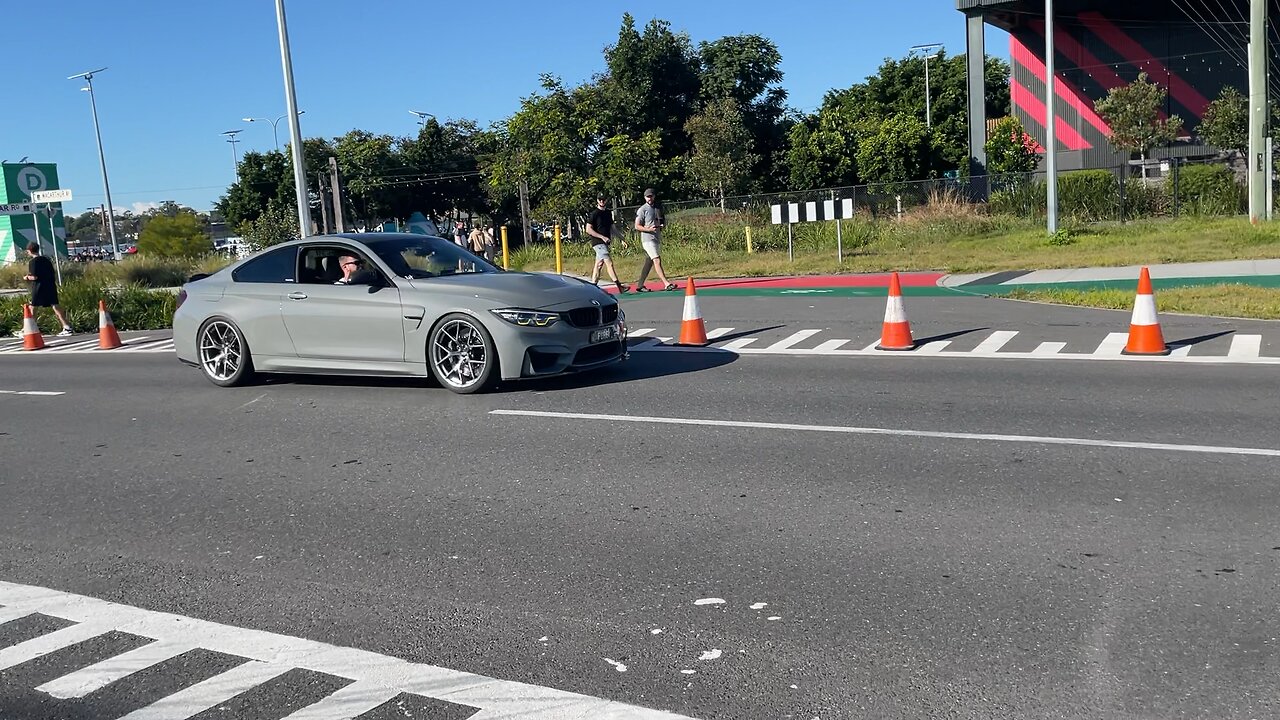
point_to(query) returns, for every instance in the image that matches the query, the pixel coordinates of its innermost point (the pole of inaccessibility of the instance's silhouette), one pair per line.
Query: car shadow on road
(640, 365)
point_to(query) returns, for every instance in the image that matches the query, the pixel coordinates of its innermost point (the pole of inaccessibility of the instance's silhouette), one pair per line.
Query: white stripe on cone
(691, 311)
(1144, 310)
(29, 326)
(894, 312)
(102, 320)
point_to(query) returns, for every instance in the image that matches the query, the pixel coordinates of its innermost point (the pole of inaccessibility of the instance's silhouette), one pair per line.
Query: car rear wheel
(223, 353)
(462, 355)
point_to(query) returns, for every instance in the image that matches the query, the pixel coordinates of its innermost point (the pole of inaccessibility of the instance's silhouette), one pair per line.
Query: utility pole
(1258, 179)
(324, 203)
(1050, 137)
(295, 131)
(336, 186)
(524, 211)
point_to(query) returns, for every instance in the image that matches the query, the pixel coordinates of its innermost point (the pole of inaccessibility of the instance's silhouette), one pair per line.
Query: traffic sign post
(15, 208)
(51, 196)
(48, 198)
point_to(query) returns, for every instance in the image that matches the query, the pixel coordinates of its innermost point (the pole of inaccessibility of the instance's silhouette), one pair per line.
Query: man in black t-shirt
(600, 231)
(44, 285)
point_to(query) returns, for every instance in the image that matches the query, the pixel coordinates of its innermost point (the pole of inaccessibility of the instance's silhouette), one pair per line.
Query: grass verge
(1227, 300)
(132, 307)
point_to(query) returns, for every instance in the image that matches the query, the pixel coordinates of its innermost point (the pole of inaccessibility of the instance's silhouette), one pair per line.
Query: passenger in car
(350, 266)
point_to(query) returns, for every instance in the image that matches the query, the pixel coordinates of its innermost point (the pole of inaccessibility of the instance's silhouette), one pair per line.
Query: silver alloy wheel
(459, 354)
(221, 353)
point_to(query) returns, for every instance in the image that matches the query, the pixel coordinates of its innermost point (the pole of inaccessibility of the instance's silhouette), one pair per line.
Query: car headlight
(527, 318)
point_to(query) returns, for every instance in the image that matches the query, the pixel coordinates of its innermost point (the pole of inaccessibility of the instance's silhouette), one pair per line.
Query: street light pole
(295, 129)
(102, 159)
(274, 135)
(928, 99)
(235, 159)
(1050, 133)
(422, 117)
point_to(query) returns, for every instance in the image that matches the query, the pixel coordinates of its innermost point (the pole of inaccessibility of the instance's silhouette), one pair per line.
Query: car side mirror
(372, 278)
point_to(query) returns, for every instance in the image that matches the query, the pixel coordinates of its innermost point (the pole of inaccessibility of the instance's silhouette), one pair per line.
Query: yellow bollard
(506, 256)
(559, 259)
(749, 250)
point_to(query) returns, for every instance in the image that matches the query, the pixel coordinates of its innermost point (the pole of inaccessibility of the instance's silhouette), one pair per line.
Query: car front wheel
(223, 353)
(462, 355)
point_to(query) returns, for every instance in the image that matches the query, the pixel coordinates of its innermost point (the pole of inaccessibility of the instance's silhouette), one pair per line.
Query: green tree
(1226, 121)
(1010, 149)
(893, 151)
(1133, 113)
(653, 83)
(746, 68)
(823, 149)
(182, 235)
(722, 157)
(276, 224)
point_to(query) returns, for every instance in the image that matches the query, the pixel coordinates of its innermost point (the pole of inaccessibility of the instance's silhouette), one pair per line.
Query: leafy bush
(1088, 195)
(132, 307)
(1210, 190)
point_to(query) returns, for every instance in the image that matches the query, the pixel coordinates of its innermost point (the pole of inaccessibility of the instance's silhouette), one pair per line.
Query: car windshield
(427, 257)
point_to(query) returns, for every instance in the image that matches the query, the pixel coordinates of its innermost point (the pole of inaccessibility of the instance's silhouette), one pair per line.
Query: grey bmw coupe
(392, 304)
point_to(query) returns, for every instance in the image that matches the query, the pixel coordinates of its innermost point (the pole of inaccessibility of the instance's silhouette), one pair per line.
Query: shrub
(1209, 190)
(1088, 195)
(132, 308)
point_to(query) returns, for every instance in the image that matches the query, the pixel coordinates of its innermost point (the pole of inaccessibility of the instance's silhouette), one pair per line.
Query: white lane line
(718, 332)
(51, 642)
(208, 693)
(141, 347)
(101, 674)
(78, 345)
(1112, 344)
(851, 430)
(872, 347)
(1245, 346)
(10, 613)
(1050, 353)
(1182, 351)
(38, 393)
(737, 344)
(995, 341)
(495, 698)
(639, 332)
(936, 346)
(351, 701)
(793, 339)
(830, 345)
(1049, 348)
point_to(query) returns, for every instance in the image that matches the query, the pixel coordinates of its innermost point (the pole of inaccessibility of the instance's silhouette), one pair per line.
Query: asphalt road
(910, 575)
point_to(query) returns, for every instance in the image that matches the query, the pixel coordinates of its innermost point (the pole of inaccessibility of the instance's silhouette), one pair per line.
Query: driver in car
(350, 266)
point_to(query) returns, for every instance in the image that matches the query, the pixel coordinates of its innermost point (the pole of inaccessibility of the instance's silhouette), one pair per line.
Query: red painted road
(929, 279)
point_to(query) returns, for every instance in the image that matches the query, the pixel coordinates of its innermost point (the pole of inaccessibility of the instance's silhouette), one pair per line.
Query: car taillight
(182, 296)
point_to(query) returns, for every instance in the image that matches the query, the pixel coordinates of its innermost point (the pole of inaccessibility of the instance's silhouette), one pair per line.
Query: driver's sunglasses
(357, 263)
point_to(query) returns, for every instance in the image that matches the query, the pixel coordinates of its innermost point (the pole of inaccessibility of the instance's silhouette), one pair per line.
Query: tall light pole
(422, 116)
(295, 129)
(273, 125)
(928, 97)
(235, 158)
(1050, 133)
(102, 159)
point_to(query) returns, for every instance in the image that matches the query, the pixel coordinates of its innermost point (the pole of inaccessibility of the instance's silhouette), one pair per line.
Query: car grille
(599, 353)
(593, 316)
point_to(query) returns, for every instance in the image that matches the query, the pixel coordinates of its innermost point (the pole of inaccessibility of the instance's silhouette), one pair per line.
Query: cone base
(899, 348)
(1138, 353)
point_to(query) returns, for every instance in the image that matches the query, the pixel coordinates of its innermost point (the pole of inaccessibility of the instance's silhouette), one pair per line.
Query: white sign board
(51, 196)
(17, 209)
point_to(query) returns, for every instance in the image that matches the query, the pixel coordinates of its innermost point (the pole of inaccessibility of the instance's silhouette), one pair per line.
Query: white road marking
(1112, 344)
(208, 693)
(738, 344)
(831, 345)
(718, 332)
(1181, 351)
(351, 701)
(38, 393)
(101, 674)
(1245, 346)
(9, 614)
(852, 430)
(872, 348)
(793, 339)
(995, 341)
(1049, 348)
(639, 332)
(934, 347)
(274, 654)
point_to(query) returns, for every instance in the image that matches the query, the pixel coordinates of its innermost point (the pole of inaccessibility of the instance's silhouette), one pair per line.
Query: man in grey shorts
(649, 222)
(600, 230)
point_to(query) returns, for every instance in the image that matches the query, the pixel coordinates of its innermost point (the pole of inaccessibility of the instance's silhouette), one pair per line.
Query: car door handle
(297, 296)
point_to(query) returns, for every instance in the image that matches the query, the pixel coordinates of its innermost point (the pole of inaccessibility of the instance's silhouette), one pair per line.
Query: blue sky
(181, 73)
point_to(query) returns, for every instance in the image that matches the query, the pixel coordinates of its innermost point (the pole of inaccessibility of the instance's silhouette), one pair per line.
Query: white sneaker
(66, 332)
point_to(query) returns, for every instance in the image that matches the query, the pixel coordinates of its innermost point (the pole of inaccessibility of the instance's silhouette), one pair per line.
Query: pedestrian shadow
(948, 336)
(1199, 339)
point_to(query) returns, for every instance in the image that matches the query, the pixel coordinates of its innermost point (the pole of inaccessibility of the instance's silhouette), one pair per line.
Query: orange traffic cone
(108, 338)
(896, 333)
(693, 331)
(31, 337)
(1145, 337)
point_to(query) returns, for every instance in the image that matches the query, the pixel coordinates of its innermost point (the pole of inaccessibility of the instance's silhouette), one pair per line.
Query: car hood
(516, 289)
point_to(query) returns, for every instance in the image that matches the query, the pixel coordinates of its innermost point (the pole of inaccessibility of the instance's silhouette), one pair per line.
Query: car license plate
(604, 334)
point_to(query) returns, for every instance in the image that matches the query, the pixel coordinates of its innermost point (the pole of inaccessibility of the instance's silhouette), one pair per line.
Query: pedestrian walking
(600, 233)
(649, 222)
(460, 234)
(44, 286)
(489, 249)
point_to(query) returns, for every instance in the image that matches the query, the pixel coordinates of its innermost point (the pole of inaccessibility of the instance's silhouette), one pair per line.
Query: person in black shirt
(600, 230)
(44, 286)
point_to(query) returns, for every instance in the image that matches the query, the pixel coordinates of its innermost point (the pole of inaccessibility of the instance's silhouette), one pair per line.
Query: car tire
(461, 355)
(223, 354)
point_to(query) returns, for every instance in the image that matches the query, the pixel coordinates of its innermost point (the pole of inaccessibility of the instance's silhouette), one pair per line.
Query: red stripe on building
(1133, 51)
(1086, 61)
(1064, 89)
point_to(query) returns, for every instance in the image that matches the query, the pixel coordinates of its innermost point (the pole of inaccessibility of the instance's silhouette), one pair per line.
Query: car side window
(321, 264)
(276, 266)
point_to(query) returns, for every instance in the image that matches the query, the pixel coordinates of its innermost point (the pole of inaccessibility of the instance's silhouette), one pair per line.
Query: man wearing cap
(600, 230)
(649, 222)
